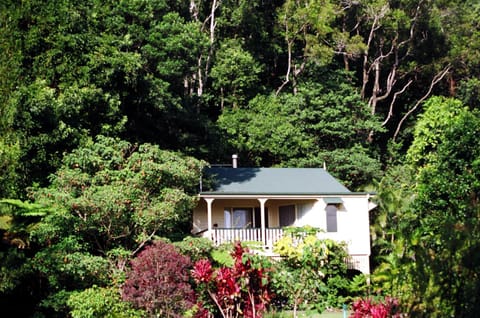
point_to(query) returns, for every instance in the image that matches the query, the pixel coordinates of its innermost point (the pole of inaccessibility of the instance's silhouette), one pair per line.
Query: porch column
(209, 217)
(262, 219)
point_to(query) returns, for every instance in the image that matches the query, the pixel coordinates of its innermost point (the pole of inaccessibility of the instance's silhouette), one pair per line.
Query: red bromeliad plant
(239, 291)
(367, 308)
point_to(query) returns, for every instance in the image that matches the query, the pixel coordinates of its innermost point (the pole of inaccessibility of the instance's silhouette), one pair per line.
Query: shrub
(196, 248)
(100, 302)
(369, 308)
(158, 281)
(312, 273)
(238, 291)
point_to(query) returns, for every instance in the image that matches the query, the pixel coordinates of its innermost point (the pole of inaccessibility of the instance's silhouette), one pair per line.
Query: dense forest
(109, 110)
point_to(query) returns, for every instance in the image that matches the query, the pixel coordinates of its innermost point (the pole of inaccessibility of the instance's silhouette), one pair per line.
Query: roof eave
(278, 195)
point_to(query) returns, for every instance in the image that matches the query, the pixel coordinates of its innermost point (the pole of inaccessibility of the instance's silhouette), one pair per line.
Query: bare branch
(289, 67)
(375, 26)
(193, 10)
(437, 78)
(202, 75)
(289, 60)
(391, 80)
(142, 244)
(398, 93)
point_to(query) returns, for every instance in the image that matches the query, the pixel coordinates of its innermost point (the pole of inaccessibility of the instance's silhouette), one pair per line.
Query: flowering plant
(368, 308)
(238, 291)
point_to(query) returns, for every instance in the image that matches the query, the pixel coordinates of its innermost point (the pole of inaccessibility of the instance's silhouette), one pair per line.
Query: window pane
(227, 216)
(331, 218)
(242, 218)
(287, 215)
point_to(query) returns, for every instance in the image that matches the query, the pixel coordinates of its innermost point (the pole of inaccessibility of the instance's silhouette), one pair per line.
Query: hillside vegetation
(109, 110)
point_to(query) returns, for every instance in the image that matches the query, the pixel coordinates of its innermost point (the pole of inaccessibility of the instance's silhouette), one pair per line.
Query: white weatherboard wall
(352, 220)
(353, 225)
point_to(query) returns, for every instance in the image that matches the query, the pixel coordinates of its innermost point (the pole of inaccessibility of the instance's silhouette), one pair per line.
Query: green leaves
(68, 265)
(312, 273)
(444, 214)
(321, 123)
(235, 74)
(309, 23)
(429, 132)
(118, 194)
(108, 199)
(19, 220)
(100, 302)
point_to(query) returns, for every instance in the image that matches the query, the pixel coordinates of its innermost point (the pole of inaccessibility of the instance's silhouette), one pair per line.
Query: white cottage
(254, 204)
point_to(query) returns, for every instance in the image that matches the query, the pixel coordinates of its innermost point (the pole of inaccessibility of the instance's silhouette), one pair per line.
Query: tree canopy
(107, 200)
(109, 110)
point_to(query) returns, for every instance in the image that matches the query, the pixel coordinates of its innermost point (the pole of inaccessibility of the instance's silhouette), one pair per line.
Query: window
(287, 215)
(331, 217)
(238, 217)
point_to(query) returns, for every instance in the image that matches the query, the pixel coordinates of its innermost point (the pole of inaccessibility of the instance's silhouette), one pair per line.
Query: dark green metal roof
(274, 181)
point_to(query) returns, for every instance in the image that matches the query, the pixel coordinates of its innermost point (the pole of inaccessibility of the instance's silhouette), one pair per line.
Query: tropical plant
(116, 194)
(431, 261)
(108, 200)
(368, 308)
(242, 290)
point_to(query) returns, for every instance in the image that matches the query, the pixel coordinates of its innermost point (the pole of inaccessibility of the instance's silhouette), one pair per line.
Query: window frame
(231, 210)
(331, 218)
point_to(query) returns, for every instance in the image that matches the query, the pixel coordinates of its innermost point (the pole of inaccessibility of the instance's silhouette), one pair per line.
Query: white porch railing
(221, 235)
(272, 235)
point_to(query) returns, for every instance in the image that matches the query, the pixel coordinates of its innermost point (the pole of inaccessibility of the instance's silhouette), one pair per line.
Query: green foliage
(308, 23)
(394, 197)
(356, 167)
(159, 71)
(19, 220)
(469, 93)
(68, 264)
(318, 124)
(301, 232)
(100, 302)
(458, 19)
(12, 269)
(79, 70)
(235, 74)
(112, 193)
(222, 256)
(195, 247)
(440, 236)
(107, 200)
(9, 157)
(312, 273)
(430, 129)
